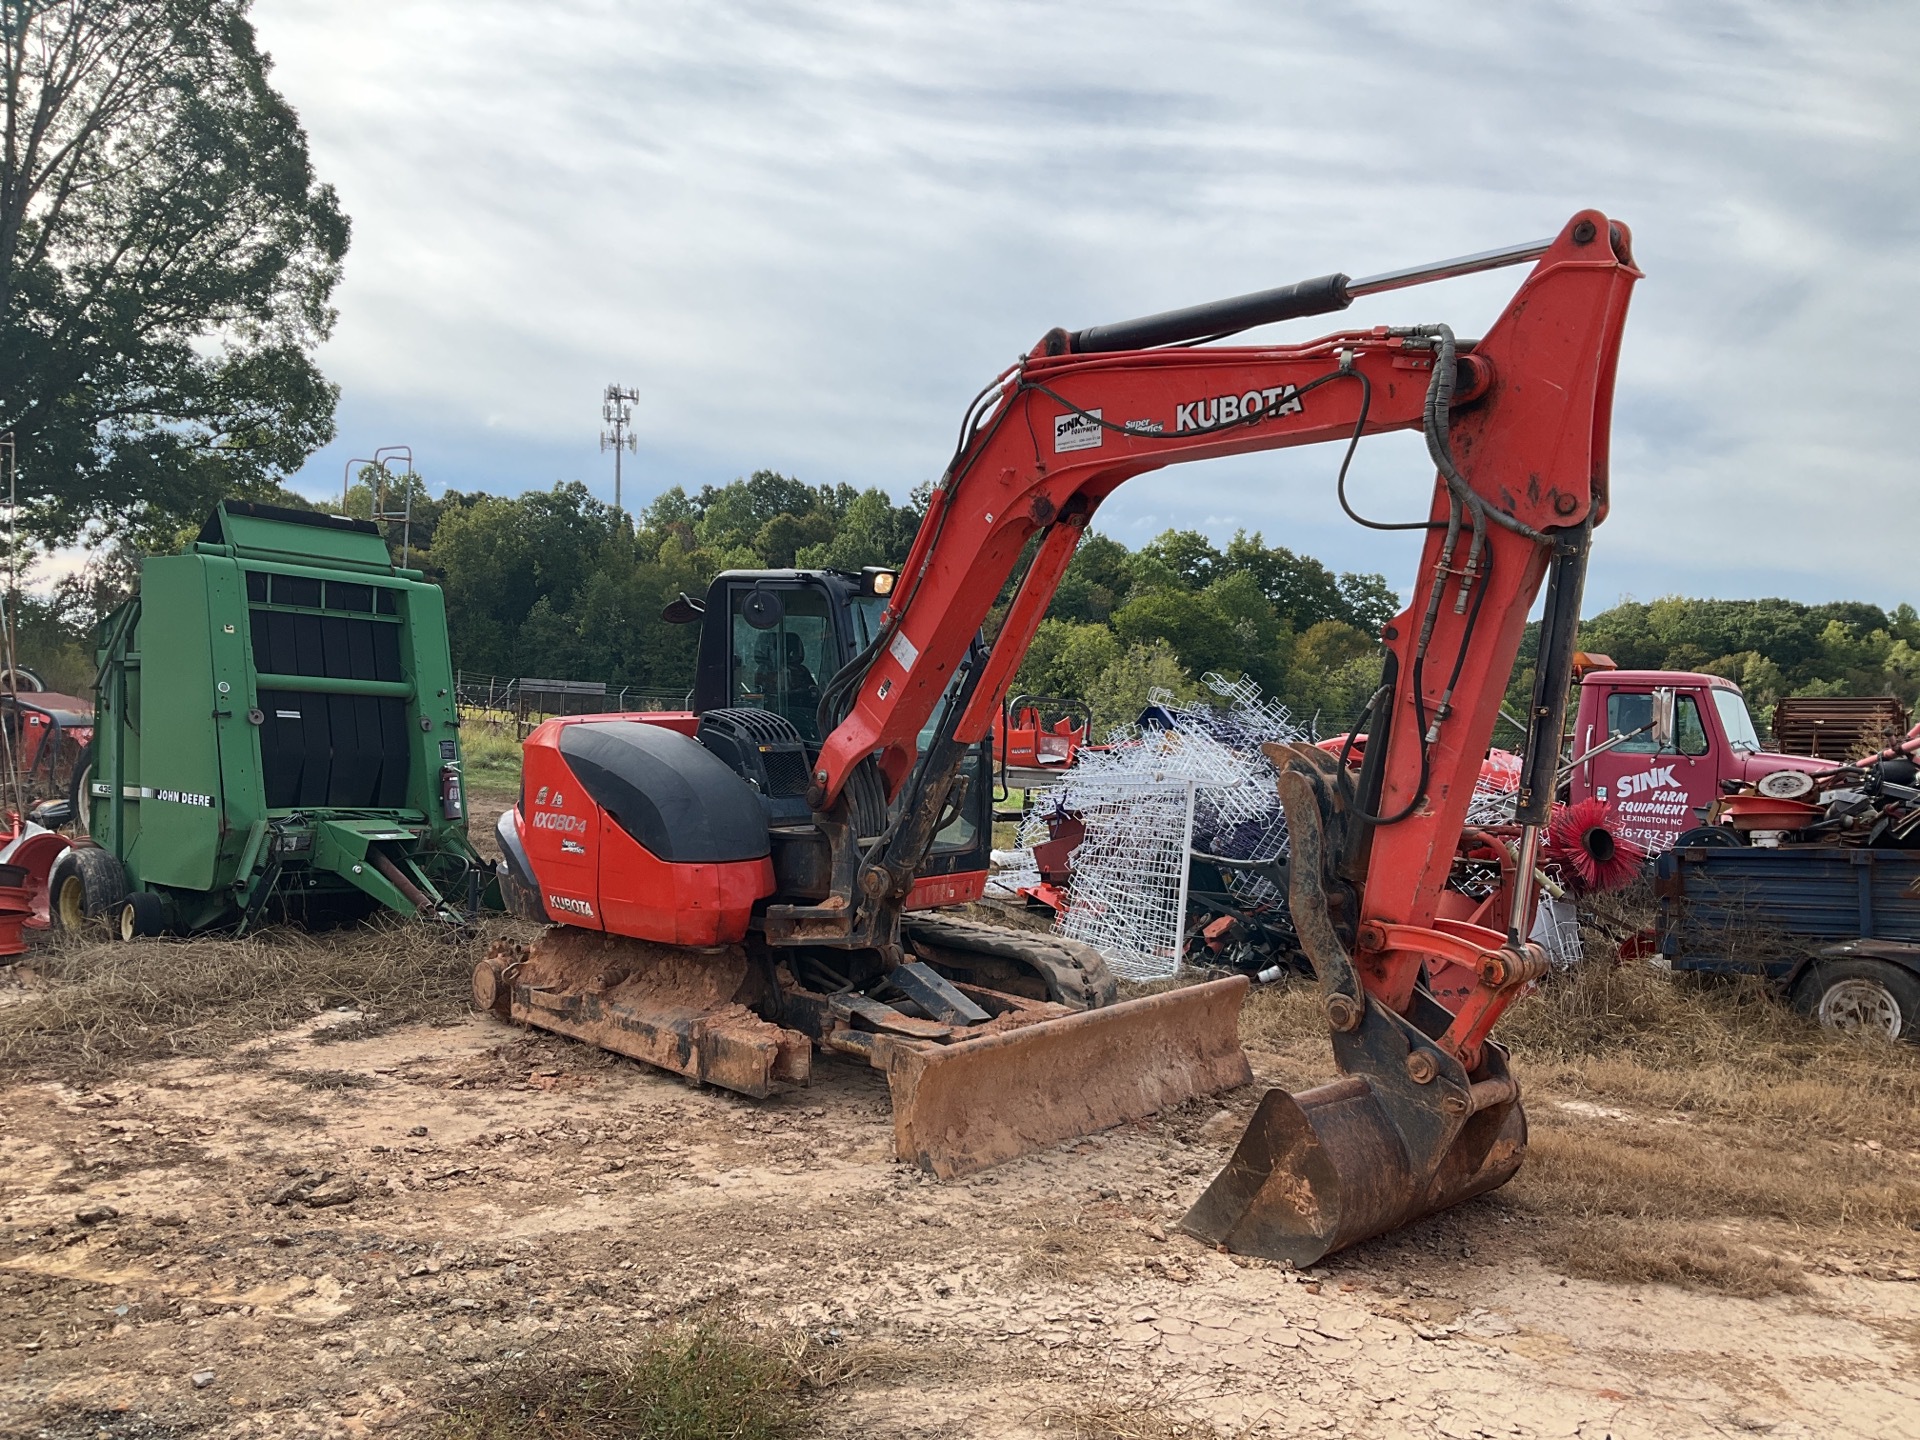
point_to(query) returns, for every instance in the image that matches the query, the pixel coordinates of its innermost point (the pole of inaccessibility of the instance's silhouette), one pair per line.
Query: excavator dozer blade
(962, 1107)
(1321, 1170)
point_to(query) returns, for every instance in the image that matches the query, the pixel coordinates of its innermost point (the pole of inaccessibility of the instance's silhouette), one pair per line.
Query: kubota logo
(1227, 409)
(1658, 778)
(570, 905)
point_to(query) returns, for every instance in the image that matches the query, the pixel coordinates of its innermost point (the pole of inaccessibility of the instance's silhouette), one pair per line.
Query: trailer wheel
(86, 883)
(141, 913)
(1862, 997)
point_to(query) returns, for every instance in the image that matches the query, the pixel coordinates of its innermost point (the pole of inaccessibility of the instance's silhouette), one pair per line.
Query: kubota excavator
(731, 887)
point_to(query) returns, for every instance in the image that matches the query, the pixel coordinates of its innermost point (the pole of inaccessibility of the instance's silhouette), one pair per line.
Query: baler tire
(1862, 997)
(1074, 974)
(79, 801)
(86, 883)
(140, 914)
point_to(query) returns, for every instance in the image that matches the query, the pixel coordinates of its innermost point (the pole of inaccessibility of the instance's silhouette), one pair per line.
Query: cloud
(808, 233)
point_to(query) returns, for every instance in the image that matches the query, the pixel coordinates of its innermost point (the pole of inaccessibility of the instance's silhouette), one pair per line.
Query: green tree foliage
(166, 258)
(1246, 610)
(555, 583)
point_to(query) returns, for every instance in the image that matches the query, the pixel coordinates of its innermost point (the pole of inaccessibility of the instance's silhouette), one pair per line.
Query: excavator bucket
(1324, 1169)
(975, 1102)
(1405, 1132)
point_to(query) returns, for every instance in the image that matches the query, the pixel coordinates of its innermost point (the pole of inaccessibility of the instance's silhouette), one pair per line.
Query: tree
(1124, 688)
(1188, 554)
(166, 258)
(1370, 601)
(510, 563)
(873, 531)
(1097, 580)
(734, 516)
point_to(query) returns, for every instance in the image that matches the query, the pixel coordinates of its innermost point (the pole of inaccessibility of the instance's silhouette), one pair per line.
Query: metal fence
(526, 700)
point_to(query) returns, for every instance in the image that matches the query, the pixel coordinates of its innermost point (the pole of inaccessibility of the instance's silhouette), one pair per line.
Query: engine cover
(637, 830)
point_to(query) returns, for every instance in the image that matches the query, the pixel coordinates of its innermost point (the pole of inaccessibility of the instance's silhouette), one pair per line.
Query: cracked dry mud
(491, 1190)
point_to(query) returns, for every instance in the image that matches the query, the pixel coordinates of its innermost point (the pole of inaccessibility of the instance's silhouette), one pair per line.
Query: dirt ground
(344, 1225)
(314, 1236)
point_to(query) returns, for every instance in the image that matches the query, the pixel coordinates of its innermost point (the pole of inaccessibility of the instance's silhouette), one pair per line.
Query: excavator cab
(769, 639)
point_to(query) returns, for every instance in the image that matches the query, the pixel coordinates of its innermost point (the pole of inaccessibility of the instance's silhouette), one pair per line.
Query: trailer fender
(1893, 952)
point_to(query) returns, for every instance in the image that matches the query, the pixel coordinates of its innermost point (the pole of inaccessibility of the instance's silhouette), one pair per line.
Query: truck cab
(1655, 792)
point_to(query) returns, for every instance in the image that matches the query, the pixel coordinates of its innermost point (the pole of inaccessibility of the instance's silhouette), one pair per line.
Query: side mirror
(683, 610)
(762, 609)
(1663, 710)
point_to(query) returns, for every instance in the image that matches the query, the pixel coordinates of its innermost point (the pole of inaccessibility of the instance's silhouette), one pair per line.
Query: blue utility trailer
(1836, 928)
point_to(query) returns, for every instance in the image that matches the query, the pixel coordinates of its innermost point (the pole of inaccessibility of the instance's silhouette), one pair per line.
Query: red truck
(1653, 791)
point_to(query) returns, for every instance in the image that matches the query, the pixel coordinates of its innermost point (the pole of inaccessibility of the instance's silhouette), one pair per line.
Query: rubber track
(1075, 974)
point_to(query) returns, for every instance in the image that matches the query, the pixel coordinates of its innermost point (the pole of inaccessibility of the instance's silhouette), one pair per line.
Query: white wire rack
(1556, 927)
(1129, 893)
(1496, 790)
(1193, 779)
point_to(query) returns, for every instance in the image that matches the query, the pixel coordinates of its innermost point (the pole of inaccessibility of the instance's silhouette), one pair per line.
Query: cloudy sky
(807, 233)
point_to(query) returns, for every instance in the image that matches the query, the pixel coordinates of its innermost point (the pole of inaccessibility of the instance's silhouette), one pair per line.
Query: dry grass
(1059, 1245)
(1689, 1132)
(1712, 1132)
(1669, 1253)
(93, 1005)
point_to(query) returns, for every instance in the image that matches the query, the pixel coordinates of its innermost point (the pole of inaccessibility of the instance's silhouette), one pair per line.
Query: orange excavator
(735, 886)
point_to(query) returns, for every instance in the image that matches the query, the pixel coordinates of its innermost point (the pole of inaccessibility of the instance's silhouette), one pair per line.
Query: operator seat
(803, 691)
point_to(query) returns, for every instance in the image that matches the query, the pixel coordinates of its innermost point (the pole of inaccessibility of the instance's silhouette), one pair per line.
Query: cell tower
(617, 410)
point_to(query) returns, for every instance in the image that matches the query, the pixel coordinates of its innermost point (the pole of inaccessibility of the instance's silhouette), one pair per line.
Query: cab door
(783, 645)
(1654, 792)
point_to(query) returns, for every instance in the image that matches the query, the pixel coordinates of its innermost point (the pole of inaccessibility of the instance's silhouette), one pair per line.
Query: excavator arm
(1517, 424)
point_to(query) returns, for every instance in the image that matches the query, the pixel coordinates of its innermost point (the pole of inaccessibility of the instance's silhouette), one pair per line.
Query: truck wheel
(86, 883)
(1862, 997)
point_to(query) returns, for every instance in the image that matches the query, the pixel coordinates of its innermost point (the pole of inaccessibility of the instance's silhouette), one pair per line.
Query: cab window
(1627, 713)
(782, 667)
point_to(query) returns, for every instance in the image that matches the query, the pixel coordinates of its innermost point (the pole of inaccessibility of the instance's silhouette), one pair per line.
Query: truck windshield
(1735, 720)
